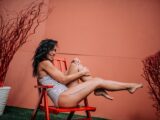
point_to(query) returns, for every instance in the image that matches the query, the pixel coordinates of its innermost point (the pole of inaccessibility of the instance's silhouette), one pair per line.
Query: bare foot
(134, 88)
(102, 92)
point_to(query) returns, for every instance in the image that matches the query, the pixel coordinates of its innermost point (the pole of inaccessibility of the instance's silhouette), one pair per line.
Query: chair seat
(58, 110)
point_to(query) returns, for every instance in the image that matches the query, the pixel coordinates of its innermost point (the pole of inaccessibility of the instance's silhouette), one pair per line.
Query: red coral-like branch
(152, 76)
(15, 32)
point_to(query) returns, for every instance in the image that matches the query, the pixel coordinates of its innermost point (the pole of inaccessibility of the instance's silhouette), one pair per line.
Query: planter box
(4, 91)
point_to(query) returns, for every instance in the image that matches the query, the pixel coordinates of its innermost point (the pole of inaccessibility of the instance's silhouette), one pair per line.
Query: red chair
(43, 99)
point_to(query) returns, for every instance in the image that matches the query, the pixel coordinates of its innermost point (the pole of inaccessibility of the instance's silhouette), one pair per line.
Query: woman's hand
(76, 61)
(84, 70)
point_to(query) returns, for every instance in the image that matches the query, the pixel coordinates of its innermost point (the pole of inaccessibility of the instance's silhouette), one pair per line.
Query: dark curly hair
(41, 53)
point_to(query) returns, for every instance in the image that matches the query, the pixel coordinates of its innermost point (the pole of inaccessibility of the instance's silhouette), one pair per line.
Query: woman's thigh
(74, 95)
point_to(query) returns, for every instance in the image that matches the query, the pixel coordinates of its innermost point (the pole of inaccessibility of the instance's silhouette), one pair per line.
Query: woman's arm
(56, 74)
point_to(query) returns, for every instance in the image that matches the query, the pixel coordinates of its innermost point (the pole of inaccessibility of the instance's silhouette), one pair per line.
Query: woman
(67, 92)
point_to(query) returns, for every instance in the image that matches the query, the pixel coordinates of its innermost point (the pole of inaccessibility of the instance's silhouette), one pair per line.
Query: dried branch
(14, 32)
(152, 76)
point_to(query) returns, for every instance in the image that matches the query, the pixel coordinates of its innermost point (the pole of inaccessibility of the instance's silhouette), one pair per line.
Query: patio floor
(15, 113)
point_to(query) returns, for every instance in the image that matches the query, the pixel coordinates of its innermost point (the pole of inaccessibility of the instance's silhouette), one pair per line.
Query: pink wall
(112, 38)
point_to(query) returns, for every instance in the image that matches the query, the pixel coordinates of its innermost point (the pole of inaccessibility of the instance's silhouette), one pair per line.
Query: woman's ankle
(134, 87)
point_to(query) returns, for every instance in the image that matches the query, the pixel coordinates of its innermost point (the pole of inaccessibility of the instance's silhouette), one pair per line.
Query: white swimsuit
(54, 92)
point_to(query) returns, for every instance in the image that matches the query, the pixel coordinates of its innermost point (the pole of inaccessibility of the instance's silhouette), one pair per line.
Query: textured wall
(112, 37)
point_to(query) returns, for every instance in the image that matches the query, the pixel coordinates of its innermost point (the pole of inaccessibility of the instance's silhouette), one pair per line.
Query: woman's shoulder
(46, 63)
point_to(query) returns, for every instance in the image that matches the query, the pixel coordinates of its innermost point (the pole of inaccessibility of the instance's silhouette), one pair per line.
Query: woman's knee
(91, 78)
(99, 81)
(73, 67)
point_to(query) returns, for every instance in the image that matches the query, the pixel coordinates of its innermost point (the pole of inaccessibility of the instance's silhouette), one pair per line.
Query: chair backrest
(60, 63)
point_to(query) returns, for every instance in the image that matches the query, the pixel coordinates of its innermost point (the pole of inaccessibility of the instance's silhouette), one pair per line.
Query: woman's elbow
(64, 81)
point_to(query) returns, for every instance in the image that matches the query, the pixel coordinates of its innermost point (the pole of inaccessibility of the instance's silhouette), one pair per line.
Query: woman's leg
(72, 96)
(75, 94)
(78, 92)
(73, 68)
(97, 92)
(113, 85)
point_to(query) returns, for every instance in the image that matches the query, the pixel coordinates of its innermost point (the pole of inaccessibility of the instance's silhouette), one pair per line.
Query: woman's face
(52, 53)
